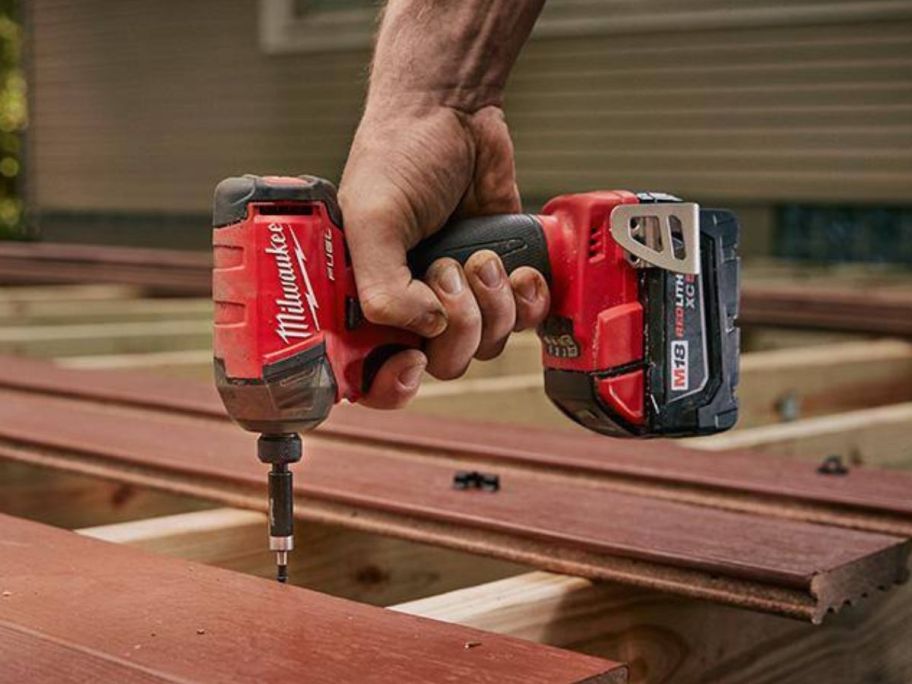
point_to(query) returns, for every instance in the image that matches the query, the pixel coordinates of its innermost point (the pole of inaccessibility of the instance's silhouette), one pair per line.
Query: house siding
(143, 107)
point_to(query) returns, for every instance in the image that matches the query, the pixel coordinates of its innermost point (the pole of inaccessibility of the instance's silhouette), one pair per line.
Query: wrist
(454, 54)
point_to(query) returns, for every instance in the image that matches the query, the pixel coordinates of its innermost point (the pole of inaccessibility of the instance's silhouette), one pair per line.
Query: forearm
(456, 53)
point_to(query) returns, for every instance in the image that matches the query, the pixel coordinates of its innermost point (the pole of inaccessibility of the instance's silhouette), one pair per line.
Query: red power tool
(640, 339)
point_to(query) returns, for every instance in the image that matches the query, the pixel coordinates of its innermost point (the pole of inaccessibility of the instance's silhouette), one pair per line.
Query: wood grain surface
(562, 523)
(73, 609)
(738, 480)
(160, 270)
(816, 306)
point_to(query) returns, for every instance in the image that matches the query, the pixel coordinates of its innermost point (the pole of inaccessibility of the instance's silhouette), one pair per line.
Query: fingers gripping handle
(517, 238)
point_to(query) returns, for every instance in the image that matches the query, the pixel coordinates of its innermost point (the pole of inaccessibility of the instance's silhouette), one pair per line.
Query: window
(844, 233)
(316, 25)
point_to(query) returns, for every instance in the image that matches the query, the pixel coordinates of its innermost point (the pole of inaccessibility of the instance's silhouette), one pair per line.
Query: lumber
(734, 480)
(885, 312)
(199, 360)
(791, 567)
(790, 384)
(70, 500)
(102, 338)
(12, 298)
(667, 639)
(165, 271)
(74, 606)
(873, 437)
(108, 310)
(170, 533)
(776, 386)
(365, 567)
(771, 338)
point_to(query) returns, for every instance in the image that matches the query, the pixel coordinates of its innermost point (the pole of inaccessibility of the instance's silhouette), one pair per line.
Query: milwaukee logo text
(292, 320)
(680, 366)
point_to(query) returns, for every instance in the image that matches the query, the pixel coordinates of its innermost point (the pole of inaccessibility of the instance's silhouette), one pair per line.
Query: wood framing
(667, 639)
(872, 437)
(372, 539)
(750, 558)
(775, 386)
(339, 561)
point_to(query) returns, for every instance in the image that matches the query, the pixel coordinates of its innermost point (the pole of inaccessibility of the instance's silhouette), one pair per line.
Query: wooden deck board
(112, 611)
(562, 524)
(865, 499)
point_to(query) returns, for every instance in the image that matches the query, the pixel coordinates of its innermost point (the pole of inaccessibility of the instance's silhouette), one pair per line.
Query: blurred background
(798, 115)
(12, 121)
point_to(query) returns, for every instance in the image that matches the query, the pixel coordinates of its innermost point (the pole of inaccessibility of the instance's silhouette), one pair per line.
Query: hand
(409, 170)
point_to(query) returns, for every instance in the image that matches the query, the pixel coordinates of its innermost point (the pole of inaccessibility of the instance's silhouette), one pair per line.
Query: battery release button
(624, 394)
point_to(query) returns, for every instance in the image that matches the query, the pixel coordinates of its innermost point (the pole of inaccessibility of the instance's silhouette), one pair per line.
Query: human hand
(412, 167)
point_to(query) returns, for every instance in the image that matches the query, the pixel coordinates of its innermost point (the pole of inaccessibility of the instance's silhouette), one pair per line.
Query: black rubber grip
(517, 238)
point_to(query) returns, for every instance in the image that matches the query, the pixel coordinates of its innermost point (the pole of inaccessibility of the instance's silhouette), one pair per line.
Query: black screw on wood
(472, 479)
(833, 465)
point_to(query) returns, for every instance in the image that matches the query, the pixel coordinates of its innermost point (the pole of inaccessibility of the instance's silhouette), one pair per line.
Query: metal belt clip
(659, 235)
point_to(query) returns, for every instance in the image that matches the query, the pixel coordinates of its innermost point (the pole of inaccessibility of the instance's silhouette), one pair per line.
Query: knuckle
(465, 318)
(379, 307)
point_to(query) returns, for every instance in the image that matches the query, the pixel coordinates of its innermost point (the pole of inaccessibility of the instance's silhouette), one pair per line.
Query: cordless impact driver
(640, 339)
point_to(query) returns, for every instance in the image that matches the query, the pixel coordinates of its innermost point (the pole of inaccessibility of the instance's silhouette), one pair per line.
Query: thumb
(388, 293)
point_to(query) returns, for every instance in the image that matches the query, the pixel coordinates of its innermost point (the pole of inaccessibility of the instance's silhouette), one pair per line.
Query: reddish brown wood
(864, 499)
(160, 270)
(74, 609)
(796, 306)
(560, 523)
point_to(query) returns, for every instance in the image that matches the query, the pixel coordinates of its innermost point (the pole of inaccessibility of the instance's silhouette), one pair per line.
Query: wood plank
(27, 296)
(797, 383)
(334, 560)
(65, 499)
(773, 564)
(865, 499)
(882, 312)
(185, 362)
(771, 338)
(176, 621)
(667, 639)
(61, 312)
(775, 386)
(872, 437)
(156, 270)
(104, 338)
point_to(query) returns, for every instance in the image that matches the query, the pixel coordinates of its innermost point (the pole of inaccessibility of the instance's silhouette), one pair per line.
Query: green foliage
(12, 119)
